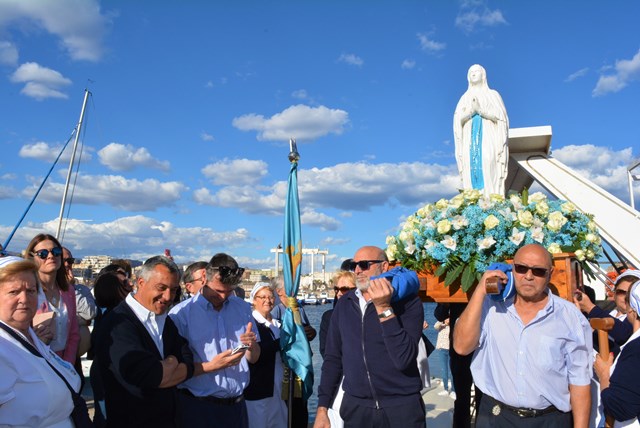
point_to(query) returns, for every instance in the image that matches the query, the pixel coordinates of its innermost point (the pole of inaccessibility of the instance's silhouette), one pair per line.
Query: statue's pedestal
(566, 277)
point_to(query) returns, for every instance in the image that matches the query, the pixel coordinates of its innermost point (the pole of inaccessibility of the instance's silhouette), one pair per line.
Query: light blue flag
(293, 341)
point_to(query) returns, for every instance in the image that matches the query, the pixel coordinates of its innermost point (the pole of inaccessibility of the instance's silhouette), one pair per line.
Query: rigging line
(75, 177)
(6, 244)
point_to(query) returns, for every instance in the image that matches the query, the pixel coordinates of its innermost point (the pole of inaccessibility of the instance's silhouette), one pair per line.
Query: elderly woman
(46, 251)
(265, 406)
(31, 393)
(620, 379)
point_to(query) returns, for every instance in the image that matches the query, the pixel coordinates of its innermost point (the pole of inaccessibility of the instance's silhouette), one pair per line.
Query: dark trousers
(198, 413)
(462, 381)
(507, 418)
(300, 413)
(408, 415)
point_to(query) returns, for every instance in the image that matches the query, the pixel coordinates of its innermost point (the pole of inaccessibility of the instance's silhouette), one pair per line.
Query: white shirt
(152, 322)
(31, 393)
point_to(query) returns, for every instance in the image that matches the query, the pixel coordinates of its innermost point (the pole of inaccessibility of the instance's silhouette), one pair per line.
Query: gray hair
(150, 265)
(277, 283)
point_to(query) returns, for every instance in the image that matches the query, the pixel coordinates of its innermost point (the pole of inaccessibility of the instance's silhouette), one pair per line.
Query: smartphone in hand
(239, 348)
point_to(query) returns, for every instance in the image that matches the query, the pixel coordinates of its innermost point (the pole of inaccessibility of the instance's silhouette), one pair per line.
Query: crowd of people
(209, 358)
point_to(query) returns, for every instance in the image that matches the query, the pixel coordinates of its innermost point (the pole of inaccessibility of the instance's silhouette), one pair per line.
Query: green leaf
(442, 269)
(453, 274)
(468, 277)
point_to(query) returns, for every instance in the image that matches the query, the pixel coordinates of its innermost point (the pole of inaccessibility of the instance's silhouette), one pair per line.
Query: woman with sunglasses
(265, 406)
(59, 298)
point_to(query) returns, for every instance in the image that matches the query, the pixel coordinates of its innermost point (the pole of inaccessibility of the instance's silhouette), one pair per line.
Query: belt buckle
(526, 413)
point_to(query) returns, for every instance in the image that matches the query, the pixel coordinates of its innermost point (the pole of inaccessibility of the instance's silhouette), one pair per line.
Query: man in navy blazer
(141, 355)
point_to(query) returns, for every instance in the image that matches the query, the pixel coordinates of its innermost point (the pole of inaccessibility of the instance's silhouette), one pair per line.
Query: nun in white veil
(480, 130)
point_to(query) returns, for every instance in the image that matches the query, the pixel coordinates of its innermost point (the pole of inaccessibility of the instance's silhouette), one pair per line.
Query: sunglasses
(69, 260)
(43, 254)
(226, 271)
(342, 289)
(363, 264)
(621, 292)
(536, 271)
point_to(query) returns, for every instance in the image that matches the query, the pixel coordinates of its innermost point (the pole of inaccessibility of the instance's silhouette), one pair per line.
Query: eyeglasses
(620, 292)
(226, 271)
(270, 298)
(537, 271)
(363, 264)
(342, 289)
(43, 254)
(69, 260)
(201, 279)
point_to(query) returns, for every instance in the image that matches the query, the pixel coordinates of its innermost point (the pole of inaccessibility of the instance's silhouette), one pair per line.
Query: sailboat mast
(71, 162)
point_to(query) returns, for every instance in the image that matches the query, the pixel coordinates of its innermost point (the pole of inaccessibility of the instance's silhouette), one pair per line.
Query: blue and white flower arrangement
(462, 236)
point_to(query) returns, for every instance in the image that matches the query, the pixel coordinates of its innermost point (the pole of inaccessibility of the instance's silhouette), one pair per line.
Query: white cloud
(428, 45)
(316, 219)
(7, 192)
(209, 84)
(236, 172)
(605, 167)
(332, 241)
(119, 157)
(8, 53)
(408, 64)
(78, 23)
(206, 137)
(48, 153)
(299, 121)
(8, 176)
(580, 73)
(348, 186)
(115, 191)
(351, 59)
(625, 71)
(40, 82)
(138, 237)
(477, 14)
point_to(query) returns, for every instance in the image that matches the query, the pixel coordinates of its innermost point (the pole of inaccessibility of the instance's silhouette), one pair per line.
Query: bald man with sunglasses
(532, 352)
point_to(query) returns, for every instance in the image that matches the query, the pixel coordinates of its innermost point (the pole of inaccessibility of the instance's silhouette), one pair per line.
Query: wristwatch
(386, 314)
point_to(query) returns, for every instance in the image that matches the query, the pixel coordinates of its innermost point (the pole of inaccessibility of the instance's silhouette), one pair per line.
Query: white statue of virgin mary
(480, 130)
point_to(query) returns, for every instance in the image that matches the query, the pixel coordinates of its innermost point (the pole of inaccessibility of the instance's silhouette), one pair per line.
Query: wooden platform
(566, 277)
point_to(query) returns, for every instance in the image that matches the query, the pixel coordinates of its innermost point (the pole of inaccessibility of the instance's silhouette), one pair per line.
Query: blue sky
(193, 104)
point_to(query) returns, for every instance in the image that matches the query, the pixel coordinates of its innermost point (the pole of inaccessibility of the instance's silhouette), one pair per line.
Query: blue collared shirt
(209, 333)
(532, 366)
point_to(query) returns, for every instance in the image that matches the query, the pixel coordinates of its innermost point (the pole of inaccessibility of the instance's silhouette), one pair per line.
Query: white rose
(485, 203)
(471, 195)
(486, 242)
(390, 240)
(491, 221)
(410, 247)
(591, 226)
(444, 226)
(590, 254)
(537, 197)
(442, 204)
(525, 218)
(457, 201)
(556, 221)
(391, 252)
(496, 197)
(542, 208)
(405, 235)
(449, 242)
(554, 248)
(580, 255)
(568, 207)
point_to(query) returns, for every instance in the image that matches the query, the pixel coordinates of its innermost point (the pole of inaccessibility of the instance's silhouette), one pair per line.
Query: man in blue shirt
(215, 321)
(533, 351)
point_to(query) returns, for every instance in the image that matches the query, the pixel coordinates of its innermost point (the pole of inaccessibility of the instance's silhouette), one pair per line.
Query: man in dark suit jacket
(141, 355)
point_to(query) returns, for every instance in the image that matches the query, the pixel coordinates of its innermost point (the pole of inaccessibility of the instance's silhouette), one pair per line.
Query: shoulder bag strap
(35, 352)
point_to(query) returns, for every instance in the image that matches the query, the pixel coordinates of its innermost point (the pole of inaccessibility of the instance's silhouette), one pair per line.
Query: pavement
(439, 406)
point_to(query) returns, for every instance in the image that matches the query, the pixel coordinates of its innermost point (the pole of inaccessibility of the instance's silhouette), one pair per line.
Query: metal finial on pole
(294, 156)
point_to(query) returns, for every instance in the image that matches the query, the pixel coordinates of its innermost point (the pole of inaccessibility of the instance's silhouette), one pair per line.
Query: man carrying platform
(533, 351)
